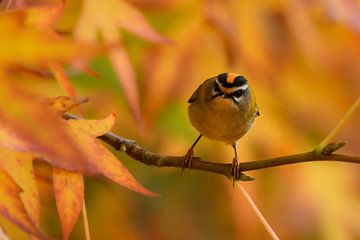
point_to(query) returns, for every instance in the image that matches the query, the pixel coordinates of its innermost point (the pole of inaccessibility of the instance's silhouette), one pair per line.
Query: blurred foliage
(302, 60)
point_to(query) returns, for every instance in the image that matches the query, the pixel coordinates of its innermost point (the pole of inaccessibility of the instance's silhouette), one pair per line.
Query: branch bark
(138, 153)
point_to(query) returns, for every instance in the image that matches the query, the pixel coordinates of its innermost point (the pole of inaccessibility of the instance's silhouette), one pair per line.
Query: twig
(140, 154)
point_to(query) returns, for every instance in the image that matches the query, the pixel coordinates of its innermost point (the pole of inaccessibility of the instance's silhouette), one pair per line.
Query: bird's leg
(186, 163)
(235, 167)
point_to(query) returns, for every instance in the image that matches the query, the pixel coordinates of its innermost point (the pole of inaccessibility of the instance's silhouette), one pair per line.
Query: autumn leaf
(126, 74)
(99, 157)
(109, 15)
(24, 45)
(11, 206)
(69, 195)
(26, 124)
(44, 18)
(106, 17)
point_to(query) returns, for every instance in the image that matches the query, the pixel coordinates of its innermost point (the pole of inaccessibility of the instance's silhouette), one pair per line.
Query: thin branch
(138, 153)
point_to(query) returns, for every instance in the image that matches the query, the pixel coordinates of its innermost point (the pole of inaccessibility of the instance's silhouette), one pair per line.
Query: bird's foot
(186, 163)
(234, 172)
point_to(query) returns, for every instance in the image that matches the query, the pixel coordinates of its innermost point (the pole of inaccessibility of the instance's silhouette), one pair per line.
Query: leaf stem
(257, 212)
(85, 221)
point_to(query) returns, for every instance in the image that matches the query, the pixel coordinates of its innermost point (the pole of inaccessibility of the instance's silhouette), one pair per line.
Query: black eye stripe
(216, 88)
(237, 93)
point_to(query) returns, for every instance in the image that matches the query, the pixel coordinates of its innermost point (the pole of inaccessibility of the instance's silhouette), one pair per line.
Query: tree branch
(140, 154)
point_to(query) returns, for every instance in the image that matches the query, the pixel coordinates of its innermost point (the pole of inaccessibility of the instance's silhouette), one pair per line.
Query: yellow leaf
(12, 207)
(69, 195)
(19, 166)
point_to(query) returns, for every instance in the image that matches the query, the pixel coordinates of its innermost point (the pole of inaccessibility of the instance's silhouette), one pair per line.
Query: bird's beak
(225, 95)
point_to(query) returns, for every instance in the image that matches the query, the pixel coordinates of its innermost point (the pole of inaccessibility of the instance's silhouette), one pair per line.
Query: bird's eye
(238, 93)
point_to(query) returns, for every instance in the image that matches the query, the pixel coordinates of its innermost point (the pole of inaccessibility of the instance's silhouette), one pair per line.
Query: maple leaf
(24, 45)
(69, 187)
(26, 124)
(99, 157)
(105, 17)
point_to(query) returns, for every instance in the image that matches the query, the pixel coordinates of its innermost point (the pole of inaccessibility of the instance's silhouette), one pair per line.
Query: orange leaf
(35, 127)
(99, 157)
(108, 15)
(69, 195)
(12, 207)
(19, 166)
(126, 75)
(132, 20)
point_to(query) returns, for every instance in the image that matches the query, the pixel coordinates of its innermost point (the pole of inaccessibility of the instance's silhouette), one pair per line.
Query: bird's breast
(221, 119)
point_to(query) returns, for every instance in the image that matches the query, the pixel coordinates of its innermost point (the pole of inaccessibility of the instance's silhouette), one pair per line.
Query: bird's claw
(186, 163)
(234, 172)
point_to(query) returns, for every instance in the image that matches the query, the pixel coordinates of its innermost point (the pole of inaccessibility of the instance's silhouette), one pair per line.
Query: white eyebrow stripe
(244, 87)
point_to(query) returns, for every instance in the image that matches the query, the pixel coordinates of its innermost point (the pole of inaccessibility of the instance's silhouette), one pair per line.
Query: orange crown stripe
(231, 77)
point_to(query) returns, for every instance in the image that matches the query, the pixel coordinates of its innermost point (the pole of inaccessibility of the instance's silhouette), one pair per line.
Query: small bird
(222, 108)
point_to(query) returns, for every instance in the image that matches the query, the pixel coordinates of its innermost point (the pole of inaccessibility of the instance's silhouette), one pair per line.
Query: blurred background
(302, 59)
